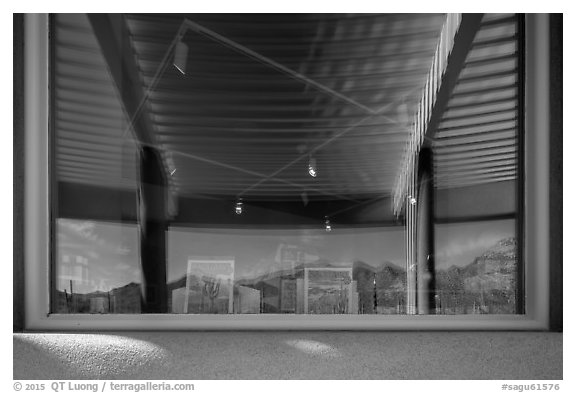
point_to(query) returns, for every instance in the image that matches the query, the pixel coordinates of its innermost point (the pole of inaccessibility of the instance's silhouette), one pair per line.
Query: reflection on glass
(351, 271)
(476, 269)
(262, 176)
(97, 268)
(209, 287)
(355, 271)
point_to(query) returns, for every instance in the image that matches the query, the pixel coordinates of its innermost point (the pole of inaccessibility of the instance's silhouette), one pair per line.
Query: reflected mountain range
(486, 285)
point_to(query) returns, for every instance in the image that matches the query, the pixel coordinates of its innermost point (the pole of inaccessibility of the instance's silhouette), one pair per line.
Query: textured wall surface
(289, 355)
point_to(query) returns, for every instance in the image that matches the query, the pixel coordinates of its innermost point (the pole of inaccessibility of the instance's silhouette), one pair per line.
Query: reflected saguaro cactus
(212, 289)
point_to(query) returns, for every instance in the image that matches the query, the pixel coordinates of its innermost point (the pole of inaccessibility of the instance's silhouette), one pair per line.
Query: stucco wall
(289, 355)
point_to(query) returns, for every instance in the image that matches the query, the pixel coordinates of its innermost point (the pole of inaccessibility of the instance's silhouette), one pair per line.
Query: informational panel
(209, 286)
(247, 300)
(288, 295)
(328, 291)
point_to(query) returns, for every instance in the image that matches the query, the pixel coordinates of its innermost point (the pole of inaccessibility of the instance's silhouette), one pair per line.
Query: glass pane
(250, 164)
(477, 164)
(96, 252)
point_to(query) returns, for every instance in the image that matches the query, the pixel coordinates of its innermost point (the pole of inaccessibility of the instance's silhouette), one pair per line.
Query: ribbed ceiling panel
(93, 144)
(237, 126)
(234, 126)
(477, 139)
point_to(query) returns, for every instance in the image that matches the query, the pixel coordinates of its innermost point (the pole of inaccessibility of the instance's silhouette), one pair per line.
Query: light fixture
(239, 204)
(312, 167)
(328, 226)
(181, 57)
(304, 197)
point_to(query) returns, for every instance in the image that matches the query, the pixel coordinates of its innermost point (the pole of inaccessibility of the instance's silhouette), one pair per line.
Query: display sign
(209, 286)
(328, 291)
(288, 295)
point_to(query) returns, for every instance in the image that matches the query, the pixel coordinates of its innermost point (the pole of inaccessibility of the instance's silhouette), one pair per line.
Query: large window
(356, 170)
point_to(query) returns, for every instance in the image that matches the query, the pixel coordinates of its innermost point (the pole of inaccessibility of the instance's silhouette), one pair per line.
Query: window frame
(37, 228)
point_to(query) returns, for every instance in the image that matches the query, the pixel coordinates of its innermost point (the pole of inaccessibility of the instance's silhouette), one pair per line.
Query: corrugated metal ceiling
(233, 126)
(477, 140)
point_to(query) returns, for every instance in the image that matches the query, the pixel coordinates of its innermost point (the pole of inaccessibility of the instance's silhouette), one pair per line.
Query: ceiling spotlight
(238, 209)
(304, 197)
(180, 57)
(312, 167)
(328, 226)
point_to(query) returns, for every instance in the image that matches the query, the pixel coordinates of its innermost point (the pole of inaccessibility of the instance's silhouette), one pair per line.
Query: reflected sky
(256, 252)
(459, 244)
(109, 253)
(109, 249)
